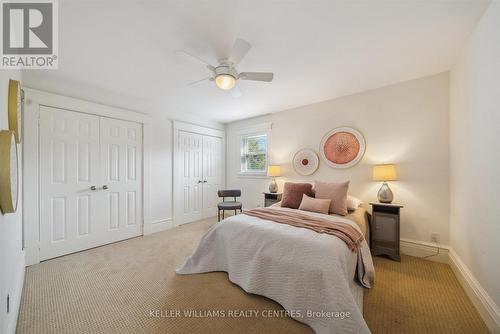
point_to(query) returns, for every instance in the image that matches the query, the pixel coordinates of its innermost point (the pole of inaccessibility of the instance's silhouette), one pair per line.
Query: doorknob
(93, 188)
(104, 187)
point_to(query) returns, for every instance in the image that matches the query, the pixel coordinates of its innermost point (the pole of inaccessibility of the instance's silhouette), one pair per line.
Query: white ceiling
(122, 52)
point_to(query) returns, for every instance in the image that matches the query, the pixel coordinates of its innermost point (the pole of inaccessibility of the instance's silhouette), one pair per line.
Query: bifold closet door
(121, 168)
(212, 174)
(90, 181)
(199, 167)
(189, 167)
(69, 167)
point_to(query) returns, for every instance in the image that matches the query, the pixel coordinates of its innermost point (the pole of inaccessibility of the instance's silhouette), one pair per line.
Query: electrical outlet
(435, 237)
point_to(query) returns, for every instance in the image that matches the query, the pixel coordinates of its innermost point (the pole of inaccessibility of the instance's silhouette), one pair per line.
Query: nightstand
(271, 198)
(385, 230)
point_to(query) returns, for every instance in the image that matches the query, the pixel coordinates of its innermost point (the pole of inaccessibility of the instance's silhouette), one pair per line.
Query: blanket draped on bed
(347, 233)
(313, 275)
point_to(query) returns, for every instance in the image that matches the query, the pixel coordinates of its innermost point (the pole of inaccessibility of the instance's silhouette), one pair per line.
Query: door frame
(31, 163)
(201, 130)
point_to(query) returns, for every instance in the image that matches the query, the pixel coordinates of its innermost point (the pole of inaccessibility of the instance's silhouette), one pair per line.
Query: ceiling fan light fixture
(225, 81)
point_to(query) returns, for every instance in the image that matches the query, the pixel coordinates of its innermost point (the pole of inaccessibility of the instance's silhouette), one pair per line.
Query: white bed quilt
(311, 275)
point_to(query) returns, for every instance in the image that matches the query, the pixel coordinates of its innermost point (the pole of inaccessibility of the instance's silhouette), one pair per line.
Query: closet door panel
(188, 194)
(212, 174)
(69, 167)
(121, 186)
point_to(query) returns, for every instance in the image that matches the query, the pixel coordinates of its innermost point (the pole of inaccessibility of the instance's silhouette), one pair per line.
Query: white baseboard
(486, 307)
(158, 226)
(427, 250)
(15, 298)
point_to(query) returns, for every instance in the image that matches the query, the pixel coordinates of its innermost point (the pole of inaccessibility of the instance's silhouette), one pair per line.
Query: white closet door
(79, 152)
(189, 194)
(121, 167)
(212, 174)
(69, 166)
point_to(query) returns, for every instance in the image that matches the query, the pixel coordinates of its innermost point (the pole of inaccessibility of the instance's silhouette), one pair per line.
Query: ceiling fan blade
(198, 81)
(236, 91)
(240, 49)
(256, 76)
(193, 57)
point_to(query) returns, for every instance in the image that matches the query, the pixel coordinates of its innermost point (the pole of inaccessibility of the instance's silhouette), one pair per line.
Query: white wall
(475, 154)
(11, 253)
(406, 124)
(161, 169)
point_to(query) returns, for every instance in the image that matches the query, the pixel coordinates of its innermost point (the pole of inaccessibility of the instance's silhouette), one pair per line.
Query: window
(254, 153)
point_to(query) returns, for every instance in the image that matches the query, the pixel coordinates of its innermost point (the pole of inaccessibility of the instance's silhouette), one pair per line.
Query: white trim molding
(31, 211)
(486, 307)
(159, 225)
(189, 127)
(427, 250)
(484, 304)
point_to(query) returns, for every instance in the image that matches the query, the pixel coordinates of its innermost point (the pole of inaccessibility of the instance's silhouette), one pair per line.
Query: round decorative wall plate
(8, 172)
(15, 106)
(342, 147)
(305, 162)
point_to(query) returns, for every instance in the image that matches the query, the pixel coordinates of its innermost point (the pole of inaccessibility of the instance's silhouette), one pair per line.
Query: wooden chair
(229, 205)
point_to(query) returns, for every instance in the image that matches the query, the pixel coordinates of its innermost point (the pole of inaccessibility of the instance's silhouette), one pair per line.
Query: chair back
(229, 193)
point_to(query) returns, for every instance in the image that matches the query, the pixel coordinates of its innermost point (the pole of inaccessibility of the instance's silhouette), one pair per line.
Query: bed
(314, 276)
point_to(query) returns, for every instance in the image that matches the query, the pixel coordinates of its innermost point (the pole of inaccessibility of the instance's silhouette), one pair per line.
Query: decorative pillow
(336, 192)
(292, 194)
(353, 203)
(315, 204)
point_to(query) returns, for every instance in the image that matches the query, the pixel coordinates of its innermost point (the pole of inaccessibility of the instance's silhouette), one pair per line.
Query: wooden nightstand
(385, 230)
(271, 198)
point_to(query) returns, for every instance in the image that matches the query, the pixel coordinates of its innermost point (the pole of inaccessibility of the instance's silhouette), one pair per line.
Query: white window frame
(252, 131)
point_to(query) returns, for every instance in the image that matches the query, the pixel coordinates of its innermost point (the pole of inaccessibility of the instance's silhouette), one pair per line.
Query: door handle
(205, 181)
(199, 181)
(104, 187)
(93, 188)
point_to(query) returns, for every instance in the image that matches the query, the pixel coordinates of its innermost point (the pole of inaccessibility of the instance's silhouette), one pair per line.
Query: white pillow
(353, 203)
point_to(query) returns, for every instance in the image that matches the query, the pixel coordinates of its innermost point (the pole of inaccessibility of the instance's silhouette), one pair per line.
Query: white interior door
(69, 166)
(188, 160)
(79, 155)
(121, 187)
(212, 174)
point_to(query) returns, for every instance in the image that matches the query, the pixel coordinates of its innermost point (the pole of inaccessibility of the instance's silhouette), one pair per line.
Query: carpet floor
(131, 287)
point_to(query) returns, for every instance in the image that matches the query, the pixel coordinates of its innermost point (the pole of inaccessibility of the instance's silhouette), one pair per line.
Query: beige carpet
(128, 287)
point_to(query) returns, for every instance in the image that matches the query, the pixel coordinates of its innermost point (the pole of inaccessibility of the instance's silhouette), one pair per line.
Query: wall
(475, 155)
(11, 253)
(406, 124)
(161, 170)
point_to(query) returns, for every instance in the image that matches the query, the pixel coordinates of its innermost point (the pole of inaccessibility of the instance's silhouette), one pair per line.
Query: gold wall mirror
(15, 108)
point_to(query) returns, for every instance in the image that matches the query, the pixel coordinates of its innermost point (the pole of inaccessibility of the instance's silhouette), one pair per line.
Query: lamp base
(385, 194)
(273, 186)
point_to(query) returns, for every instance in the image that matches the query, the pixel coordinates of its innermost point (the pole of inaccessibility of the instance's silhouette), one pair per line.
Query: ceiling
(122, 53)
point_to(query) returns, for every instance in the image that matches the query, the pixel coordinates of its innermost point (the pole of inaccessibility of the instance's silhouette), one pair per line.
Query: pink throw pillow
(336, 192)
(292, 194)
(314, 204)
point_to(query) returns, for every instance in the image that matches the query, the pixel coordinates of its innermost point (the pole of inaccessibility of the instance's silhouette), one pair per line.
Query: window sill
(250, 175)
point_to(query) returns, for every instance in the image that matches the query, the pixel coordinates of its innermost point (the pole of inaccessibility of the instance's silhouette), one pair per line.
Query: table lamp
(384, 173)
(273, 171)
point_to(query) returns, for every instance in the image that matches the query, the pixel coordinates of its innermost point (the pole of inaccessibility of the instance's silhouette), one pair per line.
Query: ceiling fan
(225, 73)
